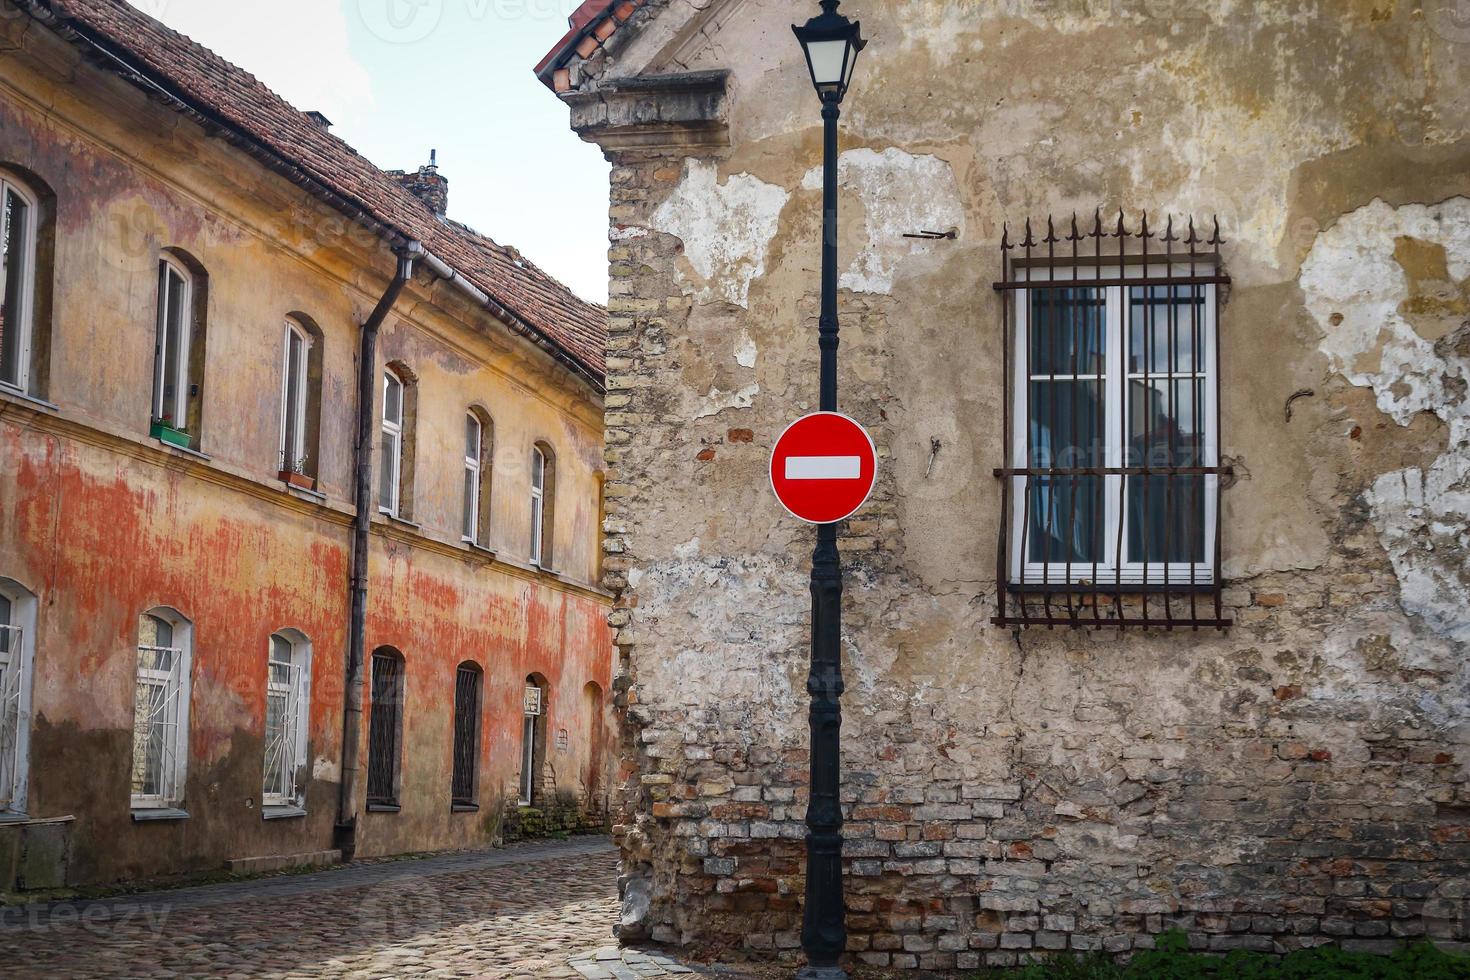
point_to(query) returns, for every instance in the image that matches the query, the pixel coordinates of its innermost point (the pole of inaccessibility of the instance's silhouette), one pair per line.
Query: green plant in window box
(164, 430)
(294, 473)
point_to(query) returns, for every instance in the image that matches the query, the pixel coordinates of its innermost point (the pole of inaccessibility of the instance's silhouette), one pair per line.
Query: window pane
(1165, 422)
(471, 438)
(1066, 424)
(471, 491)
(5, 623)
(13, 275)
(280, 649)
(1067, 331)
(538, 469)
(1165, 329)
(294, 406)
(536, 529)
(392, 399)
(387, 465)
(173, 350)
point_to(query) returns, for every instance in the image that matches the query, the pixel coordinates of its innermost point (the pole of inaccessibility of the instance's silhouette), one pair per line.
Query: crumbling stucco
(726, 227)
(900, 193)
(1388, 287)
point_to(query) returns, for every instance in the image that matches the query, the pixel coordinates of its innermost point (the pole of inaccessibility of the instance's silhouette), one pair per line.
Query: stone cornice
(684, 113)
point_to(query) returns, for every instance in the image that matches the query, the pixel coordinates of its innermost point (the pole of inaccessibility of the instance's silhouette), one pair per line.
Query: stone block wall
(1297, 780)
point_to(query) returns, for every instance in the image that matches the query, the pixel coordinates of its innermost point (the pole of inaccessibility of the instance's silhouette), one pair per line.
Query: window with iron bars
(467, 682)
(288, 679)
(161, 711)
(385, 729)
(1111, 488)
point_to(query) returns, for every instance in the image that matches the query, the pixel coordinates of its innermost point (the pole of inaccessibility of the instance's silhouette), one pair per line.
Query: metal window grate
(466, 734)
(1111, 490)
(384, 725)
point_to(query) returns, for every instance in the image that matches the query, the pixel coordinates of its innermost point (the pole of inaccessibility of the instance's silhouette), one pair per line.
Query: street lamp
(831, 43)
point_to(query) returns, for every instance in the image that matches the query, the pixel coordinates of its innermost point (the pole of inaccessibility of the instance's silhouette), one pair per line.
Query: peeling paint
(1359, 291)
(900, 192)
(717, 401)
(726, 228)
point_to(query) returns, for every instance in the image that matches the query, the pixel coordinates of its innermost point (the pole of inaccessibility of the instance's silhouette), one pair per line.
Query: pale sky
(399, 77)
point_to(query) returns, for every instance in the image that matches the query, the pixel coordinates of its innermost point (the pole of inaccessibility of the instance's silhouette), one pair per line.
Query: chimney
(427, 184)
(322, 122)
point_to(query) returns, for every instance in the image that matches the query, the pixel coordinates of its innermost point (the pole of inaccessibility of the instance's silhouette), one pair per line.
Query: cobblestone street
(524, 911)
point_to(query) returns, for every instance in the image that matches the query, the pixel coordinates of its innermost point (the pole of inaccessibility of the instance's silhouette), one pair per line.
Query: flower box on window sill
(300, 480)
(167, 433)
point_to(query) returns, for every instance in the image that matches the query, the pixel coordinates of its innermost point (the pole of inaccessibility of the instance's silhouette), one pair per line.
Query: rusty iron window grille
(385, 727)
(1111, 490)
(466, 734)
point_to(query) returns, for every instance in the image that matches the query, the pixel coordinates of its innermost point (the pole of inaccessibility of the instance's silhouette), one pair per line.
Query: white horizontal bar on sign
(824, 467)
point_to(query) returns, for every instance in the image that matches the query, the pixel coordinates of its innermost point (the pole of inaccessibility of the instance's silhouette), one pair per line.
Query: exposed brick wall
(1088, 805)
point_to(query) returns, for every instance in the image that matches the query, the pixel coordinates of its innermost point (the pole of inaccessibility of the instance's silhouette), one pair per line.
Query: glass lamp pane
(827, 61)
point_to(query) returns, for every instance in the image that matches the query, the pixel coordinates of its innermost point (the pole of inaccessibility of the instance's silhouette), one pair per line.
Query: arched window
(543, 504)
(592, 696)
(23, 292)
(468, 681)
(17, 658)
(161, 710)
(287, 710)
(533, 739)
(479, 448)
(301, 373)
(178, 353)
(395, 468)
(385, 729)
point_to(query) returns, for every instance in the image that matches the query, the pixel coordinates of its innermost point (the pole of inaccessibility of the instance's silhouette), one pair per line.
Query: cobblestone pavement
(522, 912)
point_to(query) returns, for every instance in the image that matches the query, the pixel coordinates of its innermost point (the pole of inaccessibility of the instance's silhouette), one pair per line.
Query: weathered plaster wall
(103, 523)
(1298, 779)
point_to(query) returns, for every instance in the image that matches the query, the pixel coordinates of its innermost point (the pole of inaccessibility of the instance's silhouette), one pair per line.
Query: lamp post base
(821, 973)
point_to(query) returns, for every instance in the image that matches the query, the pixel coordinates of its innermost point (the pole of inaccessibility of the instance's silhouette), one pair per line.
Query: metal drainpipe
(367, 374)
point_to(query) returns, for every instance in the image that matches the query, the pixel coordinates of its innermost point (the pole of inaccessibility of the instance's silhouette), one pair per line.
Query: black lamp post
(831, 43)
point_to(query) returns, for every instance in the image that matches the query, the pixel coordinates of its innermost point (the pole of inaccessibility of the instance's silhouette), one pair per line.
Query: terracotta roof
(591, 25)
(153, 55)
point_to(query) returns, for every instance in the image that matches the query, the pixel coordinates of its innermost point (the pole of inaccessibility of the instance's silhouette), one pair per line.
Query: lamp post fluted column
(831, 44)
(824, 931)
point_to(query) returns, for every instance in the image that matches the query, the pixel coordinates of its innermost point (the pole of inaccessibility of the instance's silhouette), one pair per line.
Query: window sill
(13, 816)
(184, 449)
(284, 811)
(30, 401)
(403, 521)
(464, 808)
(478, 548)
(383, 808)
(315, 496)
(147, 814)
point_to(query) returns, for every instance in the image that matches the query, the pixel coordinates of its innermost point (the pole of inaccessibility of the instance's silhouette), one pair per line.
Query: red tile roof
(153, 56)
(591, 25)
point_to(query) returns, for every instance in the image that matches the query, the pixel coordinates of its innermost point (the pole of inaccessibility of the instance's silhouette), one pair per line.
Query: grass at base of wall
(1172, 959)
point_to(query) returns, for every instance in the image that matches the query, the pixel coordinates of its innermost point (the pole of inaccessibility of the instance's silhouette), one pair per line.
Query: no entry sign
(822, 467)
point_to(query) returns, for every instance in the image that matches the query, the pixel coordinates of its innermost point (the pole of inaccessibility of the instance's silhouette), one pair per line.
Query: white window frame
(538, 501)
(17, 674)
(531, 708)
(286, 753)
(293, 430)
(471, 515)
(25, 319)
(167, 266)
(1108, 571)
(176, 684)
(394, 429)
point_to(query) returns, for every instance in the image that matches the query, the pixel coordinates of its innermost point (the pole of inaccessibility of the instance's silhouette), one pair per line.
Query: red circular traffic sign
(823, 467)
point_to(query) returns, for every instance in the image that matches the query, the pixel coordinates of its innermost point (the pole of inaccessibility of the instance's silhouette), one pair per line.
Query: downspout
(367, 376)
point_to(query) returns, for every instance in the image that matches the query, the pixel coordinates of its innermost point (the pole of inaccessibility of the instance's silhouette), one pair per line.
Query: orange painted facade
(100, 522)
